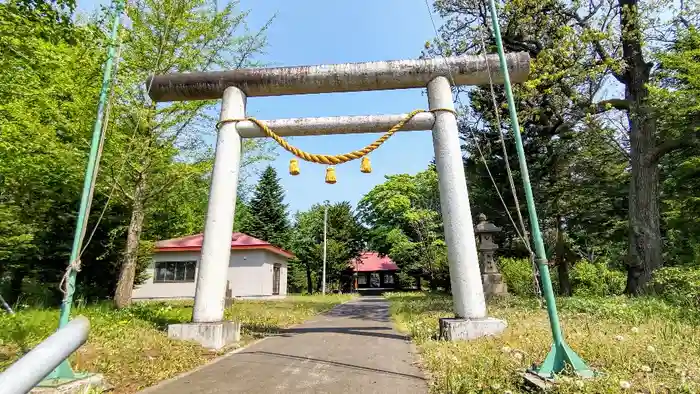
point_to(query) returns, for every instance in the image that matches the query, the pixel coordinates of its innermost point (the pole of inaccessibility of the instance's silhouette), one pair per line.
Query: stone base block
(494, 285)
(81, 384)
(210, 335)
(454, 329)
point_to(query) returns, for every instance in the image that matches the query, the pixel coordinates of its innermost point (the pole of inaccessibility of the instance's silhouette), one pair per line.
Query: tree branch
(602, 53)
(606, 105)
(124, 192)
(687, 141)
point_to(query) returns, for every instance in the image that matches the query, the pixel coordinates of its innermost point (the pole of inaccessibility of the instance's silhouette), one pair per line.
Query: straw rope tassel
(294, 167)
(365, 166)
(330, 175)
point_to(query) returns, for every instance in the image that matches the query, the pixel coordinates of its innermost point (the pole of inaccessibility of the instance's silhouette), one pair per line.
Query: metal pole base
(78, 383)
(63, 371)
(559, 357)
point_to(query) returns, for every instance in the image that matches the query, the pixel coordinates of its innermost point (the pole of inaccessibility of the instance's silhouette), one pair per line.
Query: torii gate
(233, 87)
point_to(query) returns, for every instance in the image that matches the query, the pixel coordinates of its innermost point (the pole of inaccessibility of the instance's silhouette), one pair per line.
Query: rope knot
(225, 121)
(74, 265)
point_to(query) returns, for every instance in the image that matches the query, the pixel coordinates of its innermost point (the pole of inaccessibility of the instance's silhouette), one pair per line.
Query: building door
(276, 279)
(374, 279)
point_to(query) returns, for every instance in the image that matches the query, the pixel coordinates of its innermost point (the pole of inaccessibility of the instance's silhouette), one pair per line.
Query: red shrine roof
(371, 261)
(239, 241)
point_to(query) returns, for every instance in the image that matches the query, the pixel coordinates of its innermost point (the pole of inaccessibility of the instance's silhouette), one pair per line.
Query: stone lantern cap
(486, 227)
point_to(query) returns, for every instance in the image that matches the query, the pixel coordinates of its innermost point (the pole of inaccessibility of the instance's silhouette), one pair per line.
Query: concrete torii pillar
(438, 75)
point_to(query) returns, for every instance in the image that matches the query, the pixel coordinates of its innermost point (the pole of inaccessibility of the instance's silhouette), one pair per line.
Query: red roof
(193, 243)
(371, 261)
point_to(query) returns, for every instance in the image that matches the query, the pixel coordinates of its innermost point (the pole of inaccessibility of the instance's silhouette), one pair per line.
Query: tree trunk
(432, 283)
(15, 290)
(644, 227)
(560, 260)
(309, 281)
(125, 285)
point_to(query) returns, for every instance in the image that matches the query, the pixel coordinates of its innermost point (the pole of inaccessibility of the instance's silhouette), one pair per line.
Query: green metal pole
(560, 354)
(64, 371)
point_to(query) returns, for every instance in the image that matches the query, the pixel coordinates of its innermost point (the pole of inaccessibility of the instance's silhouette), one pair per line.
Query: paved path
(351, 349)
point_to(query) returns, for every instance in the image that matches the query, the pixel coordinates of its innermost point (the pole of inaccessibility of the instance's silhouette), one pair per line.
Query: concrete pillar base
(455, 329)
(81, 384)
(210, 335)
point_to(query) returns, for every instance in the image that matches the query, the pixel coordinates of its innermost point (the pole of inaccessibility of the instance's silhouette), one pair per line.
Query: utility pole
(325, 228)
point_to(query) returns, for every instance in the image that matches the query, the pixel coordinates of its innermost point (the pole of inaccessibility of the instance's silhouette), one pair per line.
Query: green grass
(646, 343)
(130, 346)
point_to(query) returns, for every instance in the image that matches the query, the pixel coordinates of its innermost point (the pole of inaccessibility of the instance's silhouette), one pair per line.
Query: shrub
(680, 286)
(596, 279)
(517, 274)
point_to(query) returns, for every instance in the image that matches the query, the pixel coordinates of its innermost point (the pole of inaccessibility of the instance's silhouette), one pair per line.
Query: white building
(256, 269)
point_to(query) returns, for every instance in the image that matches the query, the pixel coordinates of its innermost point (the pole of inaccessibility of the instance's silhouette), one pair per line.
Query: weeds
(640, 345)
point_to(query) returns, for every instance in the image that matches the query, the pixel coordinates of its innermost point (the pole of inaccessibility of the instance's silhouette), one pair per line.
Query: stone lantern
(490, 277)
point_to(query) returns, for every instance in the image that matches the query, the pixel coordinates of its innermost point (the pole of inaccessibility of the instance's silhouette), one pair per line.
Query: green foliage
(405, 223)
(518, 275)
(345, 242)
(678, 285)
(587, 279)
(50, 70)
(596, 279)
(677, 100)
(156, 160)
(267, 211)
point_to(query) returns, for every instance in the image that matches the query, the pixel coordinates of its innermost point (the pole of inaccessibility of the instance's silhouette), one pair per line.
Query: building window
(389, 279)
(174, 271)
(361, 279)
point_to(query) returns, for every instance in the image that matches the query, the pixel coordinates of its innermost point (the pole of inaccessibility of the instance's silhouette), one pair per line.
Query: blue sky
(321, 31)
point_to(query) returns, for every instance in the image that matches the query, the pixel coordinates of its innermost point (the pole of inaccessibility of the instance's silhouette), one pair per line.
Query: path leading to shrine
(352, 348)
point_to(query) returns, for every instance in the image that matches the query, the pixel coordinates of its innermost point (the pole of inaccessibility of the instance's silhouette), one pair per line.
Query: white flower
(505, 349)
(518, 356)
(651, 349)
(625, 384)
(619, 337)
(645, 368)
(496, 386)
(635, 330)
(579, 383)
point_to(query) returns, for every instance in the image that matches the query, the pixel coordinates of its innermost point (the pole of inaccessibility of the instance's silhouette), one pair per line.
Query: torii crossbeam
(233, 87)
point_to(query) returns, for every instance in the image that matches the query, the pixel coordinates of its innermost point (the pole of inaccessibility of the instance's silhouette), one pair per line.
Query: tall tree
(165, 37)
(267, 211)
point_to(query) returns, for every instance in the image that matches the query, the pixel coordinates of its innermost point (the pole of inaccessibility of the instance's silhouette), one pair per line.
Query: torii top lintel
(347, 77)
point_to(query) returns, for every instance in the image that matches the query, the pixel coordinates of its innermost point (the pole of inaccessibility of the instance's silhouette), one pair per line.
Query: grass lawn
(130, 347)
(641, 345)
